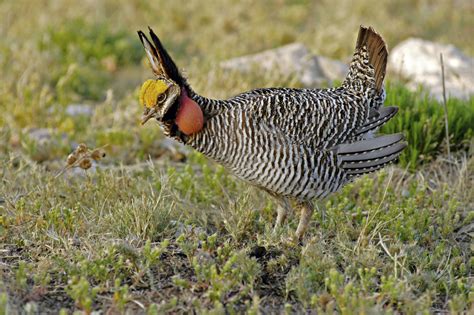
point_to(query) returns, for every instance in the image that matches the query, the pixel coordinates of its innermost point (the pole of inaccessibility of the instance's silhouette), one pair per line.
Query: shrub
(421, 119)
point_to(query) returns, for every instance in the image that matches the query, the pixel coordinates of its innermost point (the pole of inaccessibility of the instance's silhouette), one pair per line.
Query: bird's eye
(161, 97)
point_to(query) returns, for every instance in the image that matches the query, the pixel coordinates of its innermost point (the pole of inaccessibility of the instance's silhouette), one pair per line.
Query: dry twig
(445, 106)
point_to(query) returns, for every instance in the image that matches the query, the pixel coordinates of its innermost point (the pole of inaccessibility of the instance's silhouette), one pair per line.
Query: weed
(81, 292)
(4, 309)
(121, 295)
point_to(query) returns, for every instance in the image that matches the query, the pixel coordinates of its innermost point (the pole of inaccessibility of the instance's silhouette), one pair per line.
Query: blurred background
(71, 69)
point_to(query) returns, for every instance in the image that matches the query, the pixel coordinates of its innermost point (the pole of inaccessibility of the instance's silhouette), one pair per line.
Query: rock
(40, 144)
(43, 143)
(175, 150)
(79, 110)
(39, 135)
(418, 60)
(174, 147)
(182, 228)
(294, 59)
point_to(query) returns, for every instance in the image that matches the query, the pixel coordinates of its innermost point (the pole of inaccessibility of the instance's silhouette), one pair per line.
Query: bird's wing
(317, 118)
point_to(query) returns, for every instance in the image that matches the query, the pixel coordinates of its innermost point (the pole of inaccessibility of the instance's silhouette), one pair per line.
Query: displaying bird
(296, 144)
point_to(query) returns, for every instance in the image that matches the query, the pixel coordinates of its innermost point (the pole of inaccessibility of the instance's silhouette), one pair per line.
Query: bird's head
(160, 96)
(165, 98)
(157, 98)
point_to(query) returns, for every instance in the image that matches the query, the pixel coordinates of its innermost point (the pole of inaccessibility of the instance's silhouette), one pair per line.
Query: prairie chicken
(296, 144)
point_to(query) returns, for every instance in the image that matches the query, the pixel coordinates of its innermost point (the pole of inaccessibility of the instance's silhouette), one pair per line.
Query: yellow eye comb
(150, 91)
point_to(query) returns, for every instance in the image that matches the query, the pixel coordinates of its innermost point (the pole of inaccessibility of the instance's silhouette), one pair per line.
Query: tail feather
(362, 171)
(377, 52)
(369, 155)
(365, 146)
(367, 159)
(377, 118)
(371, 49)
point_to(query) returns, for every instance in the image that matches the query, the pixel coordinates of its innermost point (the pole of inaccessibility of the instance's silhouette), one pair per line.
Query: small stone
(75, 110)
(182, 228)
(175, 150)
(44, 141)
(40, 135)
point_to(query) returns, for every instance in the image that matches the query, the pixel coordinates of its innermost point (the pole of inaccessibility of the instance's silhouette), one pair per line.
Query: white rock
(418, 60)
(39, 135)
(42, 143)
(182, 228)
(294, 59)
(79, 110)
(173, 146)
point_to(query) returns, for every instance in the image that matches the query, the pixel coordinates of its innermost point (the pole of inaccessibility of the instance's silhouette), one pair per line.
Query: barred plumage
(296, 143)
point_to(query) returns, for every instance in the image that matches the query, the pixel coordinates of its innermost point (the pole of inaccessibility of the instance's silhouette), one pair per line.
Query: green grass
(154, 228)
(394, 241)
(422, 120)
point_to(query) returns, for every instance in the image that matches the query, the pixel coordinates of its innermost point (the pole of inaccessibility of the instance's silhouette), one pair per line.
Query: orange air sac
(189, 117)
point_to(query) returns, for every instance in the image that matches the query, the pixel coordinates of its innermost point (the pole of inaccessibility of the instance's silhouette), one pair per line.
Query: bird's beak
(149, 114)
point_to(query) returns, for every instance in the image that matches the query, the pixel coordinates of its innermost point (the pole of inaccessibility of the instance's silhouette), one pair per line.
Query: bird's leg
(282, 213)
(306, 213)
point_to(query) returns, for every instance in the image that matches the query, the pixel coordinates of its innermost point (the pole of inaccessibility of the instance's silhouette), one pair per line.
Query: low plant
(421, 119)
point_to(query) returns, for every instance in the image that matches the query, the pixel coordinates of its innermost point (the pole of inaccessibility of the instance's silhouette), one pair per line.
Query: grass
(155, 228)
(422, 120)
(129, 238)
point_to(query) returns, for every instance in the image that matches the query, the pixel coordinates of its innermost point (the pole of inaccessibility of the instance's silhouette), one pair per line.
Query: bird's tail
(368, 65)
(369, 155)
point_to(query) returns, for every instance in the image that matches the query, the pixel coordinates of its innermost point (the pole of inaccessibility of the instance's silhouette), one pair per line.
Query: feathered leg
(306, 213)
(282, 212)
